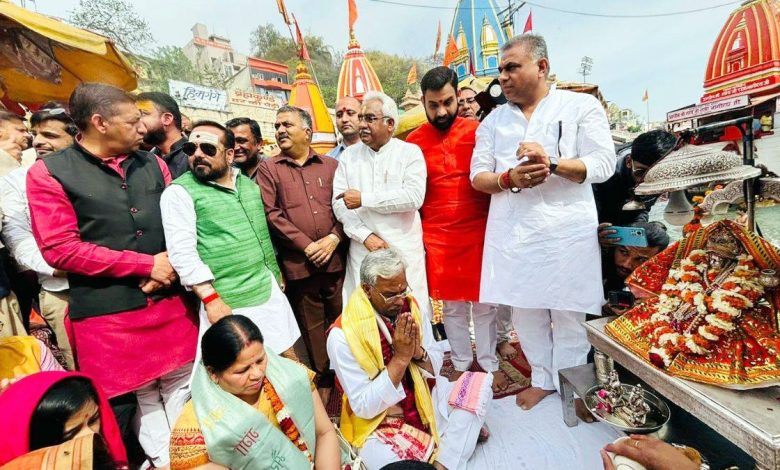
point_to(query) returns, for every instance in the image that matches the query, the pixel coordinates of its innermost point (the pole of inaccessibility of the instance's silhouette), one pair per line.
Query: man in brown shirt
(297, 189)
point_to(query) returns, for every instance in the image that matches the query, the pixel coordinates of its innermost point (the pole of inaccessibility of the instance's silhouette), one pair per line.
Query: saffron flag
(529, 23)
(353, 14)
(412, 77)
(283, 11)
(438, 41)
(451, 51)
(646, 96)
(472, 71)
(303, 53)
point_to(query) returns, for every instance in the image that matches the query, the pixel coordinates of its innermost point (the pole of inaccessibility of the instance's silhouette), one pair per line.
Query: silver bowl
(658, 416)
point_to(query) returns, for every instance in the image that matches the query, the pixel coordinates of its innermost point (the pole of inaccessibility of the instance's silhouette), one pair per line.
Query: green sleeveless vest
(233, 239)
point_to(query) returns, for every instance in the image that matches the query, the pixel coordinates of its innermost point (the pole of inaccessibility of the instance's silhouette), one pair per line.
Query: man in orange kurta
(454, 216)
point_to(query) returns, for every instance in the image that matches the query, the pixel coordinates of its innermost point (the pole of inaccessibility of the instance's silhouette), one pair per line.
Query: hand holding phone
(627, 236)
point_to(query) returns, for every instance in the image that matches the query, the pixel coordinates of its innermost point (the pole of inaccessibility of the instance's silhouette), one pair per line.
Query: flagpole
(648, 113)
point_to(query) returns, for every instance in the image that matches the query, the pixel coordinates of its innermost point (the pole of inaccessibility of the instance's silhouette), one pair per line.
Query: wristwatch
(553, 164)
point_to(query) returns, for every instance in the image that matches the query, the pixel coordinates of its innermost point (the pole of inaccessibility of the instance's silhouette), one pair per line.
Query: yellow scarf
(358, 322)
(19, 356)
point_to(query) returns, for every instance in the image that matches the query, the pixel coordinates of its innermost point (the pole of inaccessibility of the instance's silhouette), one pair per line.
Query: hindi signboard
(712, 107)
(744, 88)
(247, 98)
(197, 96)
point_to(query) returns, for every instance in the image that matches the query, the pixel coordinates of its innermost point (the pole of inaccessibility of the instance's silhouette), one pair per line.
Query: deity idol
(710, 309)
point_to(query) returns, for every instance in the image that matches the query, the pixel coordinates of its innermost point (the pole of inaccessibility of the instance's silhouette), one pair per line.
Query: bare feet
(529, 397)
(456, 375)
(500, 383)
(506, 351)
(582, 411)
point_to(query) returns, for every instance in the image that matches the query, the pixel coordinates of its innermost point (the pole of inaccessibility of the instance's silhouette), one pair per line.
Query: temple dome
(745, 58)
(306, 94)
(479, 34)
(357, 76)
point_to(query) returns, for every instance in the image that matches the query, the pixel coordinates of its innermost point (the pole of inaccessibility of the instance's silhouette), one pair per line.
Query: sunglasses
(189, 148)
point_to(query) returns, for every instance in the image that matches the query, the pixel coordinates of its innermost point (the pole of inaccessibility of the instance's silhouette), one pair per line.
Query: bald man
(347, 110)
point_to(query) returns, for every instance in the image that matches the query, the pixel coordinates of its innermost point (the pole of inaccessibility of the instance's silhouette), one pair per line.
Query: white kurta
(392, 188)
(274, 317)
(541, 247)
(369, 397)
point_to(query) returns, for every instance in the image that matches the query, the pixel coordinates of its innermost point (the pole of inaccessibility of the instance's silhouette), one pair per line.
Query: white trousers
(456, 324)
(459, 430)
(551, 340)
(504, 325)
(159, 404)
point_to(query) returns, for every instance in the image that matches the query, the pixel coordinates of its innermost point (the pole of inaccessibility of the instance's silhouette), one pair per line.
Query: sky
(664, 55)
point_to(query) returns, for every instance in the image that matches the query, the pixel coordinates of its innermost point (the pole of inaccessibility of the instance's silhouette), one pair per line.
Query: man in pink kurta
(95, 214)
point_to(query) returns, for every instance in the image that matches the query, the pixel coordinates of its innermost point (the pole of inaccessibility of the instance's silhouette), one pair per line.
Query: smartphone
(620, 298)
(629, 236)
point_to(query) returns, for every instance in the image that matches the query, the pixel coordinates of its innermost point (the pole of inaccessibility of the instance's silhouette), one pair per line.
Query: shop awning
(43, 59)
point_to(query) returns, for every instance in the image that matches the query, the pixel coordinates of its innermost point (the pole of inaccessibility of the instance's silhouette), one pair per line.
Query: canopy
(43, 59)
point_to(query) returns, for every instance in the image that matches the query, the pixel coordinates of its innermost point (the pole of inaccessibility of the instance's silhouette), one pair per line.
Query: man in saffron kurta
(454, 216)
(384, 353)
(95, 214)
(219, 241)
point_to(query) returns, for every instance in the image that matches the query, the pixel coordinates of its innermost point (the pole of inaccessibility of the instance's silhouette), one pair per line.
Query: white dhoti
(275, 319)
(159, 404)
(456, 324)
(458, 428)
(551, 340)
(504, 326)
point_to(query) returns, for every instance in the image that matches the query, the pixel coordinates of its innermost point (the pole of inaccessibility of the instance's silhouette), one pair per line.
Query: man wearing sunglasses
(218, 240)
(613, 194)
(95, 213)
(52, 130)
(378, 190)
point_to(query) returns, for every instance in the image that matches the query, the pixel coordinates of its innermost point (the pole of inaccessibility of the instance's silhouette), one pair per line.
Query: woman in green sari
(251, 408)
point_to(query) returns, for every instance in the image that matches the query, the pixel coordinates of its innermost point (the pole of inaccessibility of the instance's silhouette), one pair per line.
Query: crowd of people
(208, 300)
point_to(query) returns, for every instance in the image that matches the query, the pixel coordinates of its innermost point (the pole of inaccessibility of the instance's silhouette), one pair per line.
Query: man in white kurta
(378, 190)
(374, 319)
(537, 155)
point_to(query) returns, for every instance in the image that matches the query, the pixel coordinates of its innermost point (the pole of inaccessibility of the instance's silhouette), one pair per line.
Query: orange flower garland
(285, 419)
(719, 309)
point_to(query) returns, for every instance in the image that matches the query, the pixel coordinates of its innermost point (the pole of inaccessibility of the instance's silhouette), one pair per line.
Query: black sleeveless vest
(117, 213)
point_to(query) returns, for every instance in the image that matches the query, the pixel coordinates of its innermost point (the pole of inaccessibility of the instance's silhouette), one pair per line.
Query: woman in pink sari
(49, 408)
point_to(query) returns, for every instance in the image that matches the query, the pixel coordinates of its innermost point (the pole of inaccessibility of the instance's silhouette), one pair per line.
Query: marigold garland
(285, 419)
(719, 309)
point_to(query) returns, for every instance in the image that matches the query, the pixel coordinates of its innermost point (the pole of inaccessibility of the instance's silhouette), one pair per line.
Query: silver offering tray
(657, 416)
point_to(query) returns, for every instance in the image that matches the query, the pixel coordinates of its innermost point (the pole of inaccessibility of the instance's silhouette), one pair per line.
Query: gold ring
(527, 176)
(636, 444)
